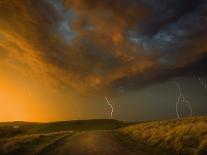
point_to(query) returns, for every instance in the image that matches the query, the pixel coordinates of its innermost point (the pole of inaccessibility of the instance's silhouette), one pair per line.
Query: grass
(6, 131)
(23, 138)
(9, 129)
(184, 136)
(30, 144)
(77, 125)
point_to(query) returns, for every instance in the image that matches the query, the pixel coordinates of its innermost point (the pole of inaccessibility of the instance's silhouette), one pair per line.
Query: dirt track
(89, 143)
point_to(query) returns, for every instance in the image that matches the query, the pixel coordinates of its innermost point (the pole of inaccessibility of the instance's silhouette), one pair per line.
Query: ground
(89, 143)
(105, 137)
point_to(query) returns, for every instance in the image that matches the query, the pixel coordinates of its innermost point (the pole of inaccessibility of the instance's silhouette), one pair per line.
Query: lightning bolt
(203, 82)
(181, 98)
(110, 100)
(110, 105)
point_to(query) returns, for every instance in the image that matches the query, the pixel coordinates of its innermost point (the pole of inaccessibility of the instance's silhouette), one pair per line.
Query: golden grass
(183, 136)
(11, 144)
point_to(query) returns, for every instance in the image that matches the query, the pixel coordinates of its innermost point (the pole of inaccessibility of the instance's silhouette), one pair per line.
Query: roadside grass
(30, 144)
(7, 131)
(186, 136)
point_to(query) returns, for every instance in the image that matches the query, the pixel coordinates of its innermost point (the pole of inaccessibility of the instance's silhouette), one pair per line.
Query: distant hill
(8, 129)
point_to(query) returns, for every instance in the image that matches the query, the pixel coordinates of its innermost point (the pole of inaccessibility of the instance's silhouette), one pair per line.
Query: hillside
(184, 136)
(31, 143)
(9, 129)
(31, 138)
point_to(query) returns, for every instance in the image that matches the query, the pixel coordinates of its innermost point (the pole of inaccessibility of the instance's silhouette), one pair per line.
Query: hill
(180, 136)
(9, 129)
(23, 138)
(186, 136)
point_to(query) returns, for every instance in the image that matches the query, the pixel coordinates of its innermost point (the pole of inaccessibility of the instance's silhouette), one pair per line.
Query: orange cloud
(101, 45)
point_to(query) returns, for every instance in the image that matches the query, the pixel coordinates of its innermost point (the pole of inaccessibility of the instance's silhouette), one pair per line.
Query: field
(15, 128)
(32, 138)
(30, 144)
(185, 136)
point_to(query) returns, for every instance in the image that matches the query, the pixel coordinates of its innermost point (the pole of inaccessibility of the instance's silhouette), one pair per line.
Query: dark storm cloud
(101, 46)
(152, 76)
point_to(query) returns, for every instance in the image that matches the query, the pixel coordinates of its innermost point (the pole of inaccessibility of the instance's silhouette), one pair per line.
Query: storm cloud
(104, 46)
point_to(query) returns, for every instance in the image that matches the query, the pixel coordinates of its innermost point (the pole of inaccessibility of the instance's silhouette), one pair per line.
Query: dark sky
(130, 51)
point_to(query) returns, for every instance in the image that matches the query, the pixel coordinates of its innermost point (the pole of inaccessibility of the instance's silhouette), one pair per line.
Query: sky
(60, 58)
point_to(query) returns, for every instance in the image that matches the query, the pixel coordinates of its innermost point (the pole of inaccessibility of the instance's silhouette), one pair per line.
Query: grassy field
(10, 129)
(184, 136)
(30, 144)
(21, 138)
(180, 136)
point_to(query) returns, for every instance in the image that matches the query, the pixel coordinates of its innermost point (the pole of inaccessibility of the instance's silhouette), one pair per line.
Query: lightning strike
(203, 83)
(181, 98)
(110, 100)
(110, 105)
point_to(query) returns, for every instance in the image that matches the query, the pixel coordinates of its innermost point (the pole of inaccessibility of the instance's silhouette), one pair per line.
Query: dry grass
(6, 132)
(27, 138)
(185, 136)
(12, 144)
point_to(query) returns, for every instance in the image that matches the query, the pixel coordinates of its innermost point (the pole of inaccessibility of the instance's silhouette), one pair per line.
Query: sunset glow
(59, 58)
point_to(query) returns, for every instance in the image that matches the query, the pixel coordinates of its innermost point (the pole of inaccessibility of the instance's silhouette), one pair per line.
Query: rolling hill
(186, 136)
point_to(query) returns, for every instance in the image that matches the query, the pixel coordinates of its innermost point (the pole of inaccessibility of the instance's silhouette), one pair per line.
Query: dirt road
(89, 143)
